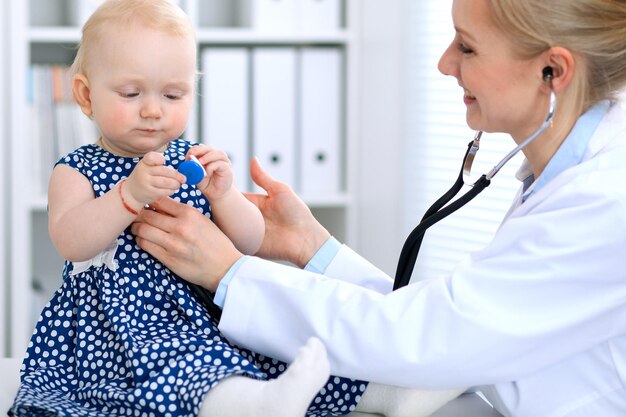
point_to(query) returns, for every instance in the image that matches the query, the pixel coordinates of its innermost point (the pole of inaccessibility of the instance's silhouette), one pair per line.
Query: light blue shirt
(569, 154)
(318, 264)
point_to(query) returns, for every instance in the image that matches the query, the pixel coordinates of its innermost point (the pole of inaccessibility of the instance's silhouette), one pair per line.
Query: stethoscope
(439, 210)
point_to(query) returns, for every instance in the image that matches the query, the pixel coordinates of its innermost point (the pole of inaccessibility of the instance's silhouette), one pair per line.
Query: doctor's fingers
(198, 252)
(175, 257)
(263, 179)
(163, 237)
(169, 206)
(182, 222)
(153, 249)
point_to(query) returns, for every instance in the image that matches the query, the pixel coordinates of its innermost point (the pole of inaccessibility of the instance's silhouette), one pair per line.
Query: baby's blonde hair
(157, 14)
(593, 30)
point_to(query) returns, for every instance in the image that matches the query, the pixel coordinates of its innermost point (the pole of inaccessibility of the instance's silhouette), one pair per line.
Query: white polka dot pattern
(136, 341)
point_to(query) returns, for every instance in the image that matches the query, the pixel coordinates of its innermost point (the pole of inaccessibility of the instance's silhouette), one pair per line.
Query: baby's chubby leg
(289, 395)
(393, 401)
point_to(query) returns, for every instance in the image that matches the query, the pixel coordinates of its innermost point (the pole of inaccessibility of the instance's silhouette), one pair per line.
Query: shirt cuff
(222, 288)
(324, 256)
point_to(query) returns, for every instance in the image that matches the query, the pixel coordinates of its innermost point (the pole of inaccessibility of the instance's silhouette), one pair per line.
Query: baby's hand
(151, 180)
(219, 178)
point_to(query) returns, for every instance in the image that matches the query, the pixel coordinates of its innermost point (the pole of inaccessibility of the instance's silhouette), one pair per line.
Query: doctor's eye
(464, 49)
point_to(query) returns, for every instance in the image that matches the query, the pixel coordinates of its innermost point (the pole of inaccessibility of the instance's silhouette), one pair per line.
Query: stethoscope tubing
(547, 122)
(439, 210)
(436, 212)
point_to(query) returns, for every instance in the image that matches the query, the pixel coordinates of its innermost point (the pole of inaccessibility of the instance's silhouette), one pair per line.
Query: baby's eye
(128, 94)
(173, 95)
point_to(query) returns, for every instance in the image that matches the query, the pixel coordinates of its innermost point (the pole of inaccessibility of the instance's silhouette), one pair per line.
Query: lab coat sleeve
(551, 284)
(351, 267)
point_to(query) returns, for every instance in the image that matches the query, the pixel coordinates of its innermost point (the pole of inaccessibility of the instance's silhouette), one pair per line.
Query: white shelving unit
(41, 34)
(4, 131)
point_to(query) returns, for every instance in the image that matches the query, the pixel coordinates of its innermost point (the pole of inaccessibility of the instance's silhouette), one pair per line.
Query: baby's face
(141, 88)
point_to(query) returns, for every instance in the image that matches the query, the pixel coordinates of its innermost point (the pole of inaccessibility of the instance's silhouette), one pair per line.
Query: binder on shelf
(274, 114)
(318, 16)
(270, 15)
(320, 121)
(225, 107)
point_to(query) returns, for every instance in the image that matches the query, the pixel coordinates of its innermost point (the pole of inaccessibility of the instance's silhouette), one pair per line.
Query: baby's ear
(82, 93)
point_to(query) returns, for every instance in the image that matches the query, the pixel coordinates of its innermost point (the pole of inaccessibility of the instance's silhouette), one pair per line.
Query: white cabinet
(43, 32)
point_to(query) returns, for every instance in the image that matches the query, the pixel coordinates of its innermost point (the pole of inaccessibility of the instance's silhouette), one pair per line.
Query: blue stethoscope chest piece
(193, 170)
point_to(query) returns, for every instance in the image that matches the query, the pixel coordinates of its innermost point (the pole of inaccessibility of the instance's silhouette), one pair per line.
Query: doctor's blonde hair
(593, 30)
(161, 15)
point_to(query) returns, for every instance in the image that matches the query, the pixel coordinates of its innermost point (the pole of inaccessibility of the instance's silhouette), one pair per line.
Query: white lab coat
(543, 305)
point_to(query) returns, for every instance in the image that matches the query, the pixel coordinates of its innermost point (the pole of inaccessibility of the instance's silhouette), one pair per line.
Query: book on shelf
(56, 123)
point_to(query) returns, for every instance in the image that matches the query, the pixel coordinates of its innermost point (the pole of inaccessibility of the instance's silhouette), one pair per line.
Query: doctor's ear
(559, 67)
(82, 93)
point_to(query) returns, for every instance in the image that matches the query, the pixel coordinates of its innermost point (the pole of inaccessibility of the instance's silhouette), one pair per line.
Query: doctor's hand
(185, 241)
(291, 231)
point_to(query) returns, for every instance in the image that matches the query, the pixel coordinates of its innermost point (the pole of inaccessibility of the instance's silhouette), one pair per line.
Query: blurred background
(339, 98)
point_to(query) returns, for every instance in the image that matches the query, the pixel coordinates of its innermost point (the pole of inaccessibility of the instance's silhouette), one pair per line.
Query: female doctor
(537, 319)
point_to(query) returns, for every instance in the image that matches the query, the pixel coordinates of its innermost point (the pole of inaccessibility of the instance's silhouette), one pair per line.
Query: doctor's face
(500, 88)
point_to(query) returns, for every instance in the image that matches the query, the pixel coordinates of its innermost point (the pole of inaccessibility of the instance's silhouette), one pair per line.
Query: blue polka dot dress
(126, 336)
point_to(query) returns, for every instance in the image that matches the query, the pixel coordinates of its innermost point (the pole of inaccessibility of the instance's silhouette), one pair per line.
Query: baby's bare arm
(240, 220)
(81, 225)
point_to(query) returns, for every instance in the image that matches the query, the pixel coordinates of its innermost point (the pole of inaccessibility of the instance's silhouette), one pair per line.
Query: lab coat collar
(569, 154)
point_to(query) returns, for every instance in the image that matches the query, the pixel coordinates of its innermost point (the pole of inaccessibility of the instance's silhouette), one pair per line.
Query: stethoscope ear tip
(547, 74)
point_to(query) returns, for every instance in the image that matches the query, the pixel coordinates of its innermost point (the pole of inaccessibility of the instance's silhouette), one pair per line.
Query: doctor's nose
(447, 64)
(150, 109)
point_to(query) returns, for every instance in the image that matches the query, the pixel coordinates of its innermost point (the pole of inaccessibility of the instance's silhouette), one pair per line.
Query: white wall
(381, 135)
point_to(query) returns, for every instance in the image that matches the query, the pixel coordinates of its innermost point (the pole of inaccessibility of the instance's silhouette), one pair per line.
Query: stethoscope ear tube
(410, 250)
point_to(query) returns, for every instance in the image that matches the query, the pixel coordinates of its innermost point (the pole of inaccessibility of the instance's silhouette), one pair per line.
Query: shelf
(251, 37)
(67, 34)
(54, 34)
(40, 204)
